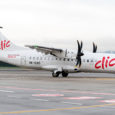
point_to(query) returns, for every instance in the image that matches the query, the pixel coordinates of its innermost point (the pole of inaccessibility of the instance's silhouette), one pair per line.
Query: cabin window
(30, 58)
(37, 58)
(63, 59)
(48, 58)
(40, 58)
(71, 59)
(44, 58)
(60, 59)
(30, 62)
(95, 60)
(83, 60)
(67, 59)
(92, 60)
(38, 62)
(87, 60)
(33, 58)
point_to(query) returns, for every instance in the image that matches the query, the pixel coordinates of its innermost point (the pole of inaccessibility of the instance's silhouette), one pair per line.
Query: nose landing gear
(55, 74)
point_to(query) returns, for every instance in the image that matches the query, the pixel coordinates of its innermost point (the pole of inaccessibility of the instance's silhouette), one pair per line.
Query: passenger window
(37, 58)
(44, 58)
(91, 60)
(33, 58)
(88, 60)
(38, 62)
(30, 62)
(95, 60)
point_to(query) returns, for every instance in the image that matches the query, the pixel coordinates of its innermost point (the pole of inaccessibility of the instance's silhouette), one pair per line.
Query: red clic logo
(105, 63)
(4, 44)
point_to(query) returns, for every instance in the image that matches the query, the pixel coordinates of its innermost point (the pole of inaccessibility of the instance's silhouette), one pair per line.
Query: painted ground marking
(6, 91)
(109, 101)
(48, 95)
(64, 91)
(57, 109)
(82, 98)
(40, 100)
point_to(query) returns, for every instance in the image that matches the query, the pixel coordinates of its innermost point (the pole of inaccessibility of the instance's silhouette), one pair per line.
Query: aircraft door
(23, 60)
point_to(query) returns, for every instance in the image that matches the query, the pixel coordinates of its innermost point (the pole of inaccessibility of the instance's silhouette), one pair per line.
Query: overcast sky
(59, 23)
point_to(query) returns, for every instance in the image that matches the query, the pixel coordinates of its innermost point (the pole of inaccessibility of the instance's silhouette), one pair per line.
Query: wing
(47, 50)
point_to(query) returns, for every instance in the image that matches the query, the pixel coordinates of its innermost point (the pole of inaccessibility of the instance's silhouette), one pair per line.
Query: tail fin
(5, 44)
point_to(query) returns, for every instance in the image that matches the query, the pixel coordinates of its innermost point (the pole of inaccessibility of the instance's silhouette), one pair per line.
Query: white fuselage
(31, 58)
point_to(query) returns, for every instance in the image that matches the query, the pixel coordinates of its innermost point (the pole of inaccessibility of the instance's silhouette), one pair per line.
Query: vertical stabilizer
(6, 45)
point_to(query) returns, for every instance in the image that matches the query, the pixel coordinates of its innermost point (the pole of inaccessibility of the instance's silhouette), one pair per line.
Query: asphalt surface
(32, 92)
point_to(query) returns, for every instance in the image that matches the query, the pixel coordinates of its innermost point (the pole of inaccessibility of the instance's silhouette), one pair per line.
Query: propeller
(79, 53)
(94, 48)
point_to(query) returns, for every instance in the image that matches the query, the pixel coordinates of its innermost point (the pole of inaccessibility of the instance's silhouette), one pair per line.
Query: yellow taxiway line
(105, 79)
(58, 109)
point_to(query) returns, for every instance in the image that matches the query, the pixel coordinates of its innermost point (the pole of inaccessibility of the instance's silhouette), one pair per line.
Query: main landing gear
(56, 74)
(64, 74)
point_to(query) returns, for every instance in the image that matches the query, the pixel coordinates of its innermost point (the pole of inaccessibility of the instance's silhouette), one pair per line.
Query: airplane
(58, 61)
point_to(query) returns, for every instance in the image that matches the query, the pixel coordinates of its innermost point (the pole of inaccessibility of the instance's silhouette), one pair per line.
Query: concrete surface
(32, 92)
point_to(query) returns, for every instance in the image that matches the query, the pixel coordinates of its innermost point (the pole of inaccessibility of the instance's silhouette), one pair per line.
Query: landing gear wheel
(64, 74)
(55, 74)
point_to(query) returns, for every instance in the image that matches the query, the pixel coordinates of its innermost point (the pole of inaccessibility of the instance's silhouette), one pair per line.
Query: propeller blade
(94, 48)
(79, 47)
(79, 53)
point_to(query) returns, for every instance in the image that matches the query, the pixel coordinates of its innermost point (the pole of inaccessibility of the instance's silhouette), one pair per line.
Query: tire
(64, 74)
(55, 74)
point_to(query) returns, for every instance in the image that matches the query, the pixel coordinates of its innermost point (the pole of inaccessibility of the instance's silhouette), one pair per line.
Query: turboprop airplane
(58, 61)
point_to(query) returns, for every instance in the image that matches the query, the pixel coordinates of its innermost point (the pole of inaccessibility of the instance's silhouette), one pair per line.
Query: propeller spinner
(79, 53)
